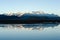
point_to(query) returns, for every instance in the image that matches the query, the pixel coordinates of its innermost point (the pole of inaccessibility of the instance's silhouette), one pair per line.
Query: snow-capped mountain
(38, 16)
(29, 16)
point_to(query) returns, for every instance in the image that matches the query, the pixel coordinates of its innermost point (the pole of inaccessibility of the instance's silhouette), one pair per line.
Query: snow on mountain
(33, 13)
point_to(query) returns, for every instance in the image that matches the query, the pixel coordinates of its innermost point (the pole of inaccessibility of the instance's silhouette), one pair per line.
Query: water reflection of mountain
(29, 26)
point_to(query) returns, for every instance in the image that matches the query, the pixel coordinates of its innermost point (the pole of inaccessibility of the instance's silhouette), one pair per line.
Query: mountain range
(29, 18)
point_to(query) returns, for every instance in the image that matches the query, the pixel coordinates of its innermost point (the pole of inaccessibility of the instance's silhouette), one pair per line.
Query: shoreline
(28, 21)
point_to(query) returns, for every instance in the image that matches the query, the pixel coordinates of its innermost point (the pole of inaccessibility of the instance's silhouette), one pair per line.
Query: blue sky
(50, 6)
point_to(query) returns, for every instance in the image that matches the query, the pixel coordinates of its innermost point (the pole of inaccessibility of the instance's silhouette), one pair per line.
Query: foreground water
(30, 31)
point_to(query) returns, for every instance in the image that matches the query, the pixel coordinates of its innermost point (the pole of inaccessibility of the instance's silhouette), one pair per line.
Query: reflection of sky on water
(30, 31)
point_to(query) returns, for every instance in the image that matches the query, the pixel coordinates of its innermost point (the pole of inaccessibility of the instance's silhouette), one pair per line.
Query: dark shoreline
(28, 21)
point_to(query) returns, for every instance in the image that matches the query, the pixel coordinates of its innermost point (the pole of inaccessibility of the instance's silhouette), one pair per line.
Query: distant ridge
(34, 17)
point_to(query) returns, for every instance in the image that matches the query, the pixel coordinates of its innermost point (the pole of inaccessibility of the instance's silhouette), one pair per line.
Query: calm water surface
(30, 31)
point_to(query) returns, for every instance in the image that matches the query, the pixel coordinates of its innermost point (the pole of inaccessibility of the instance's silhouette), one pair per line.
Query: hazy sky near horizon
(50, 6)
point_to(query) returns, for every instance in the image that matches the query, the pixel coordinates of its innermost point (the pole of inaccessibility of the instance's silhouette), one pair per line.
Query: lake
(30, 31)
